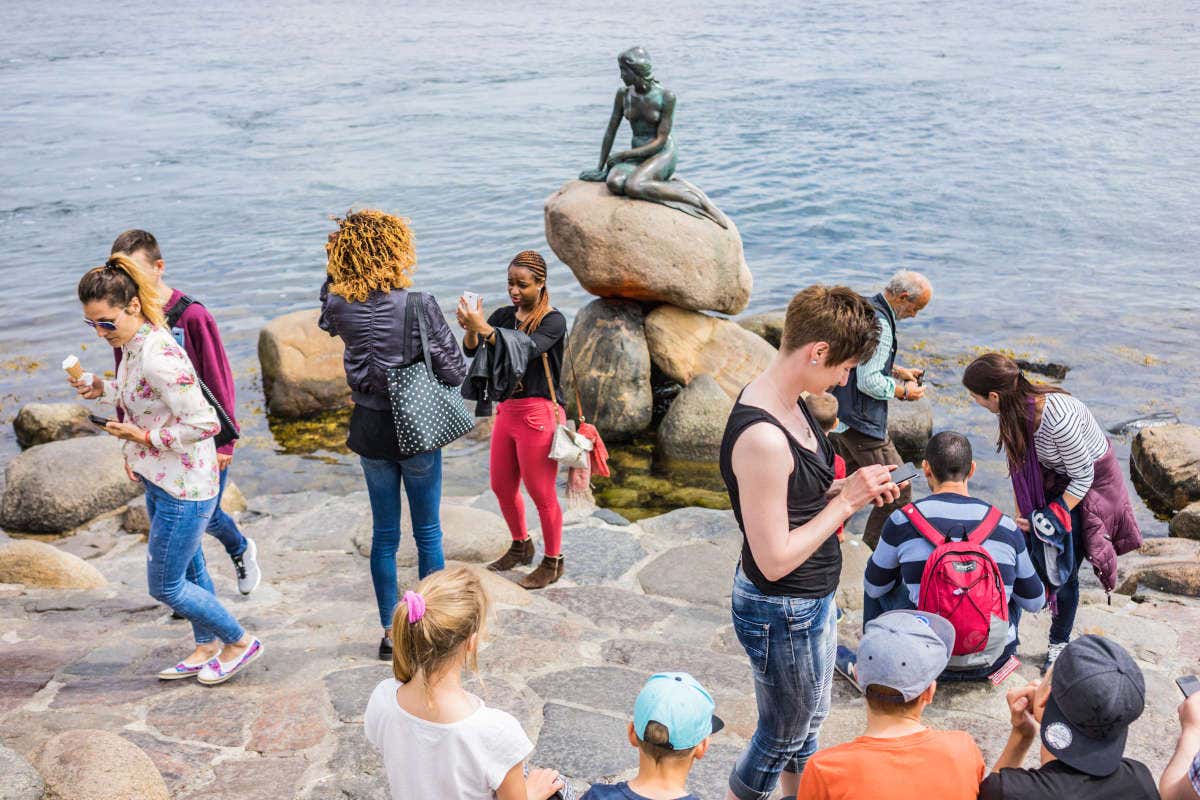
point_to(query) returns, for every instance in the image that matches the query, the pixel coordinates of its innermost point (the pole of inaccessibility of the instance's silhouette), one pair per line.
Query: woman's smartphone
(1188, 684)
(472, 299)
(99, 421)
(904, 473)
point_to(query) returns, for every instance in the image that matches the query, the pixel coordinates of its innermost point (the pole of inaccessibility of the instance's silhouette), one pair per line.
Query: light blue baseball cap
(679, 703)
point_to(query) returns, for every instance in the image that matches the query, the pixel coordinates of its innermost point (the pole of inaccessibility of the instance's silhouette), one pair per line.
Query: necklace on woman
(805, 436)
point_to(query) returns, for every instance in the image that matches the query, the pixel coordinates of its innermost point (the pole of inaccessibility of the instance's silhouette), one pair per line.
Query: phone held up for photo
(1188, 684)
(99, 421)
(904, 473)
(471, 299)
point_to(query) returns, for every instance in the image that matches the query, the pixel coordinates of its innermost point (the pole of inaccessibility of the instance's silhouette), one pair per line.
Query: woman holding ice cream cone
(168, 432)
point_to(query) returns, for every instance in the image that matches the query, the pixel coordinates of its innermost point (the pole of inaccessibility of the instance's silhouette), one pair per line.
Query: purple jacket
(1109, 527)
(376, 340)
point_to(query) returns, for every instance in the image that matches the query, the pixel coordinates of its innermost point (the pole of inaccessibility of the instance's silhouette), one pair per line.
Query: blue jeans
(422, 479)
(792, 643)
(222, 526)
(175, 569)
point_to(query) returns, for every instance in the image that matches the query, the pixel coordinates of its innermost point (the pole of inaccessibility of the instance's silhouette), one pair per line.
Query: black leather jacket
(496, 370)
(376, 340)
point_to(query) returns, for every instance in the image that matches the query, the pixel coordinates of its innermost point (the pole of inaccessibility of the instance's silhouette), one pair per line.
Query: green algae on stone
(324, 432)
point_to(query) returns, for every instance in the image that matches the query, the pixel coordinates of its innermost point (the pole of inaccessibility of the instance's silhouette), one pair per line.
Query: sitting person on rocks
(900, 562)
(1082, 711)
(672, 724)
(437, 739)
(1181, 779)
(898, 756)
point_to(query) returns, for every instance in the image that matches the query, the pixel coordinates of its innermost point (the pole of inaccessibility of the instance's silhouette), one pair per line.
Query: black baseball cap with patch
(1096, 691)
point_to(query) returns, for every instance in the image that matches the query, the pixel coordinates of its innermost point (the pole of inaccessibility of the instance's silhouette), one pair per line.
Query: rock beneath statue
(1164, 458)
(39, 423)
(302, 370)
(910, 426)
(684, 344)
(695, 423)
(607, 348)
(768, 325)
(618, 247)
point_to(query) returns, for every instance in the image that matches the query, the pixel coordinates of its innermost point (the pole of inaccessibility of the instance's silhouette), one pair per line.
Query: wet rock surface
(566, 662)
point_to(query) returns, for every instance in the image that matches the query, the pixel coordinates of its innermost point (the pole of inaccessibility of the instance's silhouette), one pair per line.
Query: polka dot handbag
(428, 414)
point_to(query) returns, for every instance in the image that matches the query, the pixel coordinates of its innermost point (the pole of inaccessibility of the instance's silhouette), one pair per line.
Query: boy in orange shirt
(899, 659)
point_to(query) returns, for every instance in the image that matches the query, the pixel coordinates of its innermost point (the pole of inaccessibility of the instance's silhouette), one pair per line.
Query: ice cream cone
(73, 367)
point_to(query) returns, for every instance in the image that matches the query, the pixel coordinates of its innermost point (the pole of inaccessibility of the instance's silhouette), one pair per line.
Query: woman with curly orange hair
(525, 422)
(365, 302)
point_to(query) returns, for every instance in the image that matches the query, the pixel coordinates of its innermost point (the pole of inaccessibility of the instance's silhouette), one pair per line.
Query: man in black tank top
(778, 468)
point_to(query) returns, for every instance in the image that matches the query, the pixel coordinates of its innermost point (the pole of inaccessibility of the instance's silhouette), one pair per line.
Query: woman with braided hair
(365, 301)
(525, 422)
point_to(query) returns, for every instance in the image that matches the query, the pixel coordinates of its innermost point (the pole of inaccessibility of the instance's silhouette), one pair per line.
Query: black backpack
(228, 432)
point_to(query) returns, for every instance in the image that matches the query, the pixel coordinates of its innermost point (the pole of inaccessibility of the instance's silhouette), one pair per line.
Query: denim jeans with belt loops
(791, 643)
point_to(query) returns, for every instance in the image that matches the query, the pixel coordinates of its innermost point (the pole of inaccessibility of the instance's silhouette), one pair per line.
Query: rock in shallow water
(684, 344)
(46, 491)
(302, 368)
(607, 349)
(1186, 523)
(695, 424)
(768, 325)
(39, 423)
(1167, 460)
(910, 425)
(619, 247)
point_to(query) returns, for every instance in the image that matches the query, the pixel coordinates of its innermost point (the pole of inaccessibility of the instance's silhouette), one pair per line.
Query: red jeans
(521, 452)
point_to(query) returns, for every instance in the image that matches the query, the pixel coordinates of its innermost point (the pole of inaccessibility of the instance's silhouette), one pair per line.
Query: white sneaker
(248, 573)
(1053, 651)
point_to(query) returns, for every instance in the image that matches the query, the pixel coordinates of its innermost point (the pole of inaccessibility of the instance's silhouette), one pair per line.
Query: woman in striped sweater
(1065, 479)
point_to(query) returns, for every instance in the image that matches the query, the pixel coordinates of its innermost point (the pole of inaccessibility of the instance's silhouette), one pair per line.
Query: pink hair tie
(416, 606)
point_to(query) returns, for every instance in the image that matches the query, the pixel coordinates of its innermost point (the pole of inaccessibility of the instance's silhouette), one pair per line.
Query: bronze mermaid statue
(647, 170)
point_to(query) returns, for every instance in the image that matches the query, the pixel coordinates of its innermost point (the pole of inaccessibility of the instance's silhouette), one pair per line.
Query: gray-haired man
(863, 401)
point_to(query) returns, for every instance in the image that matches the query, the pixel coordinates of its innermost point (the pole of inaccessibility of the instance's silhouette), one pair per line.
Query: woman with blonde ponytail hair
(525, 422)
(167, 429)
(436, 738)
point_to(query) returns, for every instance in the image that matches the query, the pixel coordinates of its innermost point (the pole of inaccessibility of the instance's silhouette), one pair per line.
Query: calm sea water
(1039, 161)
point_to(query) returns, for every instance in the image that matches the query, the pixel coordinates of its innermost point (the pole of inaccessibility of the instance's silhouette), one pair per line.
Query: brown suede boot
(519, 552)
(546, 573)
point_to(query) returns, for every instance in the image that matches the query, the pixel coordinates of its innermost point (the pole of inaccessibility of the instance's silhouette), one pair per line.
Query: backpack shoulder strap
(985, 528)
(923, 526)
(181, 305)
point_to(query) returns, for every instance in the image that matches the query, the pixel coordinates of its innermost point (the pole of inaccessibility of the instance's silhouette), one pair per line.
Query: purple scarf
(1027, 478)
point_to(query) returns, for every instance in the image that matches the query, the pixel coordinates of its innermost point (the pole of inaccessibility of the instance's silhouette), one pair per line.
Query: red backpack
(962, 583)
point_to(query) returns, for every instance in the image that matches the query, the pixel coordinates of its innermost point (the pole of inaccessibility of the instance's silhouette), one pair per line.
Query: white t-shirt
(464, 760)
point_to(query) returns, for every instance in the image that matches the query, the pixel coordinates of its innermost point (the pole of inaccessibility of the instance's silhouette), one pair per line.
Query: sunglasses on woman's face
(103, 324)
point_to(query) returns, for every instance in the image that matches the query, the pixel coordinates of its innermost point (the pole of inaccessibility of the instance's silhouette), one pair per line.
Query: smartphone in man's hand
(1188, 684)
(100, 422)
(904, 473)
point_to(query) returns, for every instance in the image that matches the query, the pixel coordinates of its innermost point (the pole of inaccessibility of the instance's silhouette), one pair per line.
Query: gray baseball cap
(904, 650)
(1096, 691)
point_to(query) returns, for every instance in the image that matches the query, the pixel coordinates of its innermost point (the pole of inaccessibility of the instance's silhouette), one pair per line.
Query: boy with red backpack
(960, 558)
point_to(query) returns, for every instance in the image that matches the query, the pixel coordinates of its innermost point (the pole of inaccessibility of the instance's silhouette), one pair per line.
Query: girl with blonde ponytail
(525, 422)
(436, 738)
(167, 430)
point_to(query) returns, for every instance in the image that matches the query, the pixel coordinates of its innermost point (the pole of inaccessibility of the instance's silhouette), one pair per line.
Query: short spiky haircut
(136, 240)
(833, 314)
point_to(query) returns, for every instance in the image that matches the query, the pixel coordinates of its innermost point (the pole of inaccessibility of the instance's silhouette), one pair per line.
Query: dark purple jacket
(376, 340)
(1109, 527)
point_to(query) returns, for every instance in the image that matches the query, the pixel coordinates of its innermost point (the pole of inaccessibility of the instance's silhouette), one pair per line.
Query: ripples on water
(1038, 161)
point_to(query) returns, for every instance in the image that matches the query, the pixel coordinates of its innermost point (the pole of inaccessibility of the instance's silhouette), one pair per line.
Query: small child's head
(142, 247)
(824, 408)
(438, 626)
(899, 659)
(673, 719)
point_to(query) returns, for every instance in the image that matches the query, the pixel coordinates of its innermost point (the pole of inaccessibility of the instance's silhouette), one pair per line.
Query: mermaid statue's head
(635, 66)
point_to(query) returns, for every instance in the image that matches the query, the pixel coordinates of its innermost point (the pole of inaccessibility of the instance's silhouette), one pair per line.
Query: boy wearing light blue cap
(672, 722)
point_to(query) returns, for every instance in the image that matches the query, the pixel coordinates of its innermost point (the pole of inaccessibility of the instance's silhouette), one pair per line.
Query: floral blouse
(157, 390)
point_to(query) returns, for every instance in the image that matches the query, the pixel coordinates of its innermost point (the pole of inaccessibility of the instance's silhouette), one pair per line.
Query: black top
(549, 338)
(811, 476)
(1056, 781)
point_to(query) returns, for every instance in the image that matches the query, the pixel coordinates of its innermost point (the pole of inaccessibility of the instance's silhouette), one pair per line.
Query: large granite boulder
(768, 325)
(1186, 523)
(98, 765)
(18, 779)
(608, 354)
(910, 425)
(695, 423)
(35, 563)
(1167, 460)
(619, 247)
(302, 370)
(684, 344)
(39, 423)
(55, 487)
(1167, 565)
